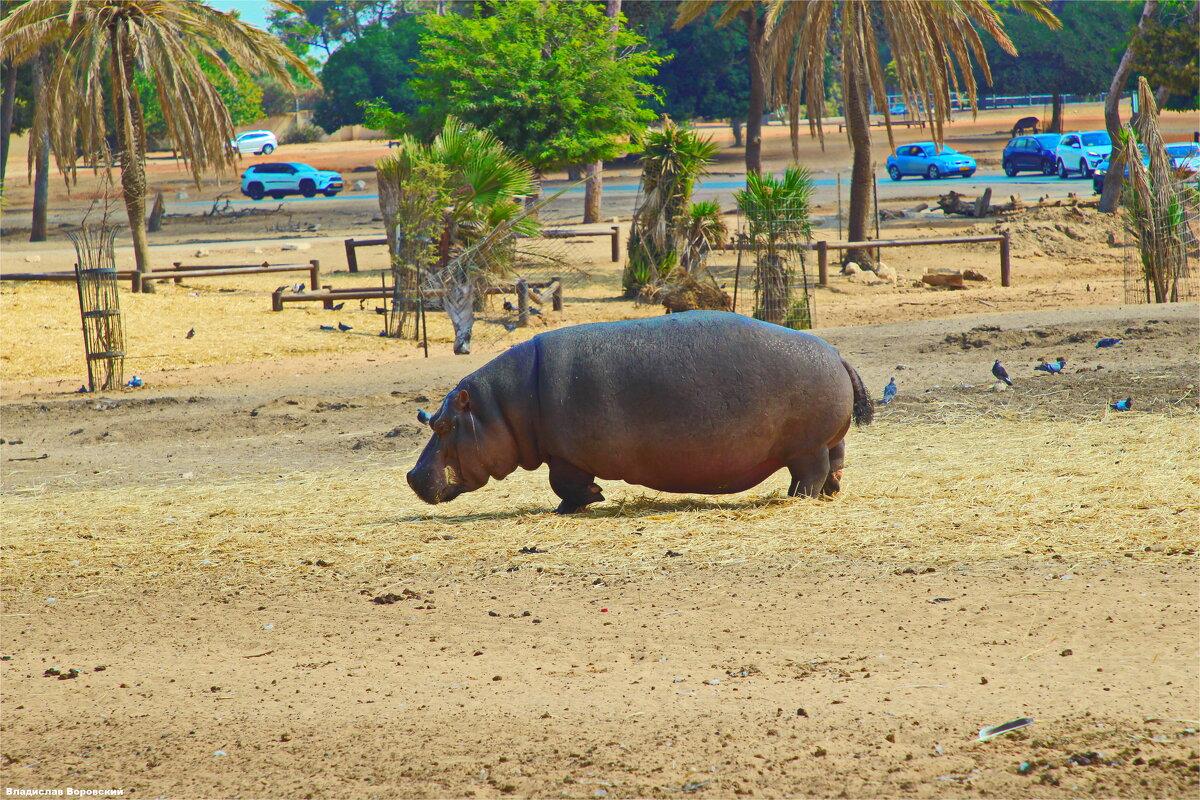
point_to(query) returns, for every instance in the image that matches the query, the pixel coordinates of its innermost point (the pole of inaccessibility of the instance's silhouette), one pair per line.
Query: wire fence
(1162, 250)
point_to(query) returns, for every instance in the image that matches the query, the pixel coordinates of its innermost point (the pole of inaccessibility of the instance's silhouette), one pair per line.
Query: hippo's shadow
(630, 508)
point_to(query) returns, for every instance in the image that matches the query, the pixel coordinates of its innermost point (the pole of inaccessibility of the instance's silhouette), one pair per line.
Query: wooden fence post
(277, 300)
(558, 293)
(351, 256)
(314, 273)
(616, 243)
(522, 302)
(823, 263)
(1005, 261)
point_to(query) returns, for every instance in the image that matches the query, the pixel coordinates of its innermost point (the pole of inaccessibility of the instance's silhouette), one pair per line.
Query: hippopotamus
(704, 402)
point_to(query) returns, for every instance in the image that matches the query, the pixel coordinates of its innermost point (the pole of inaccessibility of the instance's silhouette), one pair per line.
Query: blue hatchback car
(1031, 154)
(926, 160)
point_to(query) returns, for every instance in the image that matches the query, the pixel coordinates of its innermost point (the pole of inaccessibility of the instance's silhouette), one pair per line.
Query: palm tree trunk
(130, 137)
(1110, 197)
(8, 99)
(859, 127)
(758, 90)
(41, 159)
(593, 190)
(1056, 114)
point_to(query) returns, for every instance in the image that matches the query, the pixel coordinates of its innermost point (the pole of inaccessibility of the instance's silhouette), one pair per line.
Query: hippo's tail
(864, 406)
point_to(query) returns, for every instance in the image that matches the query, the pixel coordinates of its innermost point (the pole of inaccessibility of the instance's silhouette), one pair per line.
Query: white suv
(1081, 152)
(255, 142)
(279, 180)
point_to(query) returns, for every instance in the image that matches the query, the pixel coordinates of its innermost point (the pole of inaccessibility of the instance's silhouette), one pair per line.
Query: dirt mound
(1067, 232)
(990, 337)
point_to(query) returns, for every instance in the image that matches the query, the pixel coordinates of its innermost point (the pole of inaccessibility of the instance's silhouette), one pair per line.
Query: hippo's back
(702, 401)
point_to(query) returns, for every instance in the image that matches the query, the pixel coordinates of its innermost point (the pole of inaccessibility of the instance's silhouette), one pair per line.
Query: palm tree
(672, 159)
(455, 192)
(104, 43)
(777, 211)
(933, 44)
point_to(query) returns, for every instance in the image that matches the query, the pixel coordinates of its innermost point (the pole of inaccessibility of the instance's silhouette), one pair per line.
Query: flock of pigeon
(1001, 374)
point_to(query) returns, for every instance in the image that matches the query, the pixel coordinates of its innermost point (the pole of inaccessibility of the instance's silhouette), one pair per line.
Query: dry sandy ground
(214, 553)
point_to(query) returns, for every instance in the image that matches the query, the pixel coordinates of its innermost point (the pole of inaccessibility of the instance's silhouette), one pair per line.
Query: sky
(251, 11)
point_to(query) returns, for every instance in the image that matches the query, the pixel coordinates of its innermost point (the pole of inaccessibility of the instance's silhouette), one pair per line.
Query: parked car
(1081, 151)
(255, 142)
(1031, 154)
(926, 160)
(278, 180)
(1184, 156)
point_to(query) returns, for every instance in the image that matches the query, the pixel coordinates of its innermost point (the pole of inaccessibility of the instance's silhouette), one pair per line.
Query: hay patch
(959, 489)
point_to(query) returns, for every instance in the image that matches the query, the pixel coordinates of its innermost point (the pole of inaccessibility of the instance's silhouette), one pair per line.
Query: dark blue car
(1030, 154)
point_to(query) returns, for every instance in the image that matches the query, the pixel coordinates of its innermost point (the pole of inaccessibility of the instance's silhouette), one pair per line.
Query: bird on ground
(135, 382)
(1122, 405)
(81, 390)
(343, 327)
(1001, 373)
(338, 307)
(508, 306)
(889, 392)
(298, 288)
(327, 327)
(1052, 367)
(1108, 342)
(508, 326)
(191, 332)
(535, 311)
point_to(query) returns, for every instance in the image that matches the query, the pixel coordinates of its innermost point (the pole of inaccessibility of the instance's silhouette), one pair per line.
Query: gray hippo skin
(705, 402)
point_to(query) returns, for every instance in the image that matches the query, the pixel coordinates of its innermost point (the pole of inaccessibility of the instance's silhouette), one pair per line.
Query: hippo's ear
(462, 401)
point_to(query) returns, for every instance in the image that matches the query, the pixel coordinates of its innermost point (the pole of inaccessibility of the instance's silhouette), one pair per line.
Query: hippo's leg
(837, 459)
(809, 473)
(573, 485)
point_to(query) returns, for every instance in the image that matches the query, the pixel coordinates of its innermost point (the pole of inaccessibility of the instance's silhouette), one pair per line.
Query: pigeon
(535, 311)
(1108, 342)
(135, 382)
(508, 326)
(508, 306)
(191, 332)
(298, 288)
(343, 327)
(327, 327)
(889, 392)
(1001, 373)
(81, 390)
(1052, 367)
(1122, 405)
(338, 307)
(277, 288)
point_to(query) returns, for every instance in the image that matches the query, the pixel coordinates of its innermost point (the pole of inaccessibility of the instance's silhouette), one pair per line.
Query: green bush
(302, 134)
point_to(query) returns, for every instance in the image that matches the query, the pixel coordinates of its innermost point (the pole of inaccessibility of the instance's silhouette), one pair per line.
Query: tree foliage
(242, 96)
(325, 25)
(550, 80)
(707, 71)
(1079, 59)
(1166, 55)
(379, 64)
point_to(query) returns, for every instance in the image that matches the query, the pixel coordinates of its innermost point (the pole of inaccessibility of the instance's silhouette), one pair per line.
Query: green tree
(706, 74)
(550, 80)
(105, 44)
(1167, 56)
(238, 91)
(380, 64)
(1079, 59)
(777, 213)
(325, 25)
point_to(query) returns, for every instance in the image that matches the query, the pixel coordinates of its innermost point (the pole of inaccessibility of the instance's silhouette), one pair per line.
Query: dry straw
(960, 489)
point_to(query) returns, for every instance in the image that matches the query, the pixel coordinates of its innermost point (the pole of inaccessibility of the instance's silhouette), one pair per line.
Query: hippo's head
(465, 450)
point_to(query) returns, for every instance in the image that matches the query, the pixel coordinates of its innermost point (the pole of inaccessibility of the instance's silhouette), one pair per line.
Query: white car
(278, 180)
(1081, 151)
(1185, 156)
(256, 142)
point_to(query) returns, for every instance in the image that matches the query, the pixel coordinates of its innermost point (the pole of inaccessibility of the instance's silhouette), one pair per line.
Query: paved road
(620, 195)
